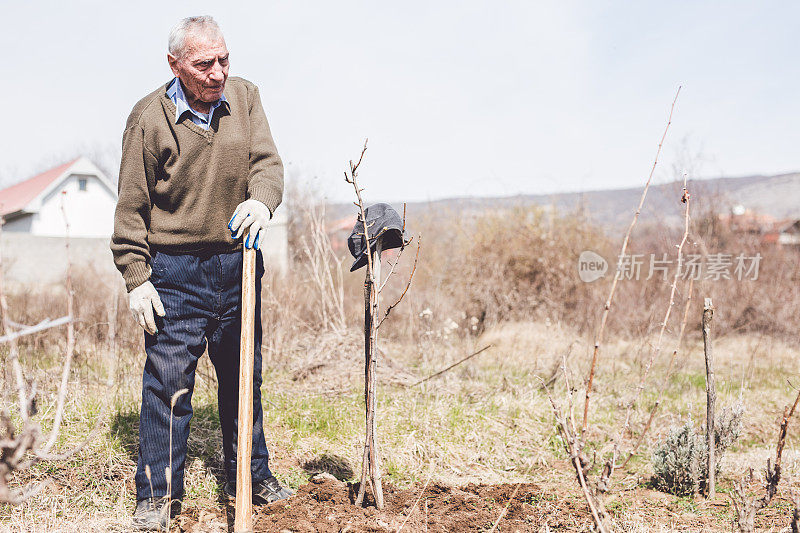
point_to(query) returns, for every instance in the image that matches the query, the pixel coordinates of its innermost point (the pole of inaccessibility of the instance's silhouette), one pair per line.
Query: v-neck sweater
(179, 184)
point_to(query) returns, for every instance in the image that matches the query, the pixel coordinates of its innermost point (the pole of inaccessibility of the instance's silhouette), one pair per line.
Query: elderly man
(199, 169)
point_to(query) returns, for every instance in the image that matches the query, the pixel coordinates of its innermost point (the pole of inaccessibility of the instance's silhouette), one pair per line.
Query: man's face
(203, 68)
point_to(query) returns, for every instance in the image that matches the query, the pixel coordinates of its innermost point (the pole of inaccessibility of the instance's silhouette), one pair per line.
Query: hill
(777, 195)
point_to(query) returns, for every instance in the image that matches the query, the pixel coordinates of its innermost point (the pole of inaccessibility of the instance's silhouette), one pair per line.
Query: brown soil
(325, 505)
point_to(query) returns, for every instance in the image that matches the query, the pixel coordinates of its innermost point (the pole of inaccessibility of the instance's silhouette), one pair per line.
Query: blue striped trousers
(201, 293)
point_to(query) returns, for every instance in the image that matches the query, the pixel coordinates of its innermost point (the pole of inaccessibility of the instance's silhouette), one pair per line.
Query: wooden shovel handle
(244, 449)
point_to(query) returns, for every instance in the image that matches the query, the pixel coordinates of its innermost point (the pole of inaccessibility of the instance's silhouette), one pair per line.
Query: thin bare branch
(666, 379)
(442, 371)
(571, 445)
(21, 496)
(667, 312)
(408, 284)
(62, 390)
(41, 326)
(746, 507)
(607, 307)
(422, 492)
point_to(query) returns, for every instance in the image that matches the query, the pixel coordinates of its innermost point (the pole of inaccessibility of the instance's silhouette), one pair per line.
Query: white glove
(143, 299)
(250, 214)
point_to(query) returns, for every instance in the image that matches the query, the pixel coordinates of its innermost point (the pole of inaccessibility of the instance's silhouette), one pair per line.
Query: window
(82, 184)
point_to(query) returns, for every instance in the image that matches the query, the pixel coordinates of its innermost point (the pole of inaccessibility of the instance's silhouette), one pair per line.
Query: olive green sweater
(179, 184)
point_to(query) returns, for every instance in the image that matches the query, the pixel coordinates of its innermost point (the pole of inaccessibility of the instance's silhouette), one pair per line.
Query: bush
(680, 462)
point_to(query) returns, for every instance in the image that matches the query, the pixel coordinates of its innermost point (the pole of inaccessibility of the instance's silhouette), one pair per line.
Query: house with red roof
(76, 193)
(78, 199)
(75, 198)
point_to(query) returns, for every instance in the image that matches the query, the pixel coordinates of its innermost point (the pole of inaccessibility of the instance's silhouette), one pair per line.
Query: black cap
(383, 223)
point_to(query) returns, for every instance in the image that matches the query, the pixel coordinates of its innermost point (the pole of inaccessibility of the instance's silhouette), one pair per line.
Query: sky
(457, 98)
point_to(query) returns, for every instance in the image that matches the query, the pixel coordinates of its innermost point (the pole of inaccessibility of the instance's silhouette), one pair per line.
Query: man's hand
(143, 300)
(250, 214)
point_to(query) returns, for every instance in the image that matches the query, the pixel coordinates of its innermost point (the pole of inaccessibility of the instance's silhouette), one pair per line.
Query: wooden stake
(370, 467)
(711, 398)
(243, 521)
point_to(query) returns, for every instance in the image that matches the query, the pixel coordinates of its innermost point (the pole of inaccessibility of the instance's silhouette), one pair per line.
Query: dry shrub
(483, 268)
(476, 268)
(680, 461)
(479, 268)
(99, 300)
(516, 267)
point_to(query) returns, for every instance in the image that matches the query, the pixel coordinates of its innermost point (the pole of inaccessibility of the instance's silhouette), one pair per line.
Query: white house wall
(33, 262)
(90, 212)
(19, 225)
(275, 247)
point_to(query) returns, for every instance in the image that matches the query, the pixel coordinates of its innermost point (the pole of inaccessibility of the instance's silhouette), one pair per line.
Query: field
(474, 448)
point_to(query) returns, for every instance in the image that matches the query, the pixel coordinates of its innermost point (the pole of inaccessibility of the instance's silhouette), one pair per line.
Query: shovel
(243, 522)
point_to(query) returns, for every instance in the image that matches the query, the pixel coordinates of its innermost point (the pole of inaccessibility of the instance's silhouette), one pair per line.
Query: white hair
(205, 25)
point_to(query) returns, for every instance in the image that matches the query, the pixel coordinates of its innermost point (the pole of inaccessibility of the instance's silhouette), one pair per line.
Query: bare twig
(607, 307)
(20, 449)
(168, 472)
(62, 390)
(23, 399)
(408, 284)
(556, 368)
(360, 203)
(745, 507)
(399, 252)
(440, 372)
(657, 346)
(370, 461)
(422, 492)
(572, 446)
(666, 380)
(372, 287)
(41, 326)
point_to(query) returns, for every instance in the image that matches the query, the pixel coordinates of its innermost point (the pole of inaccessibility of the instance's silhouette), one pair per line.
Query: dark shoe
(264, 492)
(152, 515)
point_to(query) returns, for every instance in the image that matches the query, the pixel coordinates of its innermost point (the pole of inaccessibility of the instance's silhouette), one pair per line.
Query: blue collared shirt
(175, 92)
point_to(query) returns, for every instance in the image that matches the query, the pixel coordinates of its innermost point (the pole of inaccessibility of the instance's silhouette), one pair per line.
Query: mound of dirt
(326, 505)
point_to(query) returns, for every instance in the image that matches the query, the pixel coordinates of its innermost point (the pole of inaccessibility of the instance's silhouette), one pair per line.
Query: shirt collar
(176, 94)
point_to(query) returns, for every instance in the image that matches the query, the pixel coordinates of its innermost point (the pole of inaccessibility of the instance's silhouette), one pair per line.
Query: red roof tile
(17, 196)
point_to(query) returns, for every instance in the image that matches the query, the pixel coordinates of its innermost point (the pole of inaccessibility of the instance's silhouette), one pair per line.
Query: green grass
(318, 416)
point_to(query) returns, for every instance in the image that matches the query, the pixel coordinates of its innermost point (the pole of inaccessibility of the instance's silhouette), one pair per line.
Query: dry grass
(486, 421)
(479, 282)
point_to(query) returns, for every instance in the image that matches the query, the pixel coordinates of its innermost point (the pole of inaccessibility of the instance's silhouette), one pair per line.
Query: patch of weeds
(620, 505)
(556, 444)
(395, 471)
(455, 415)
(687, 503)
(695, 380)
(292, 478)
(316, 416)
